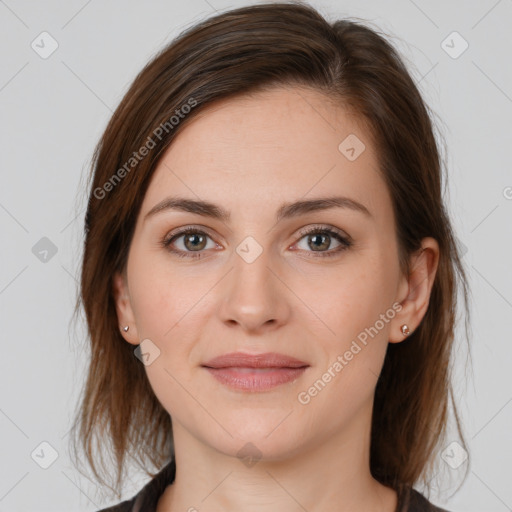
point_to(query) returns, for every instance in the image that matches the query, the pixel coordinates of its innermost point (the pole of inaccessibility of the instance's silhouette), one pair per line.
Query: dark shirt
(147, 498)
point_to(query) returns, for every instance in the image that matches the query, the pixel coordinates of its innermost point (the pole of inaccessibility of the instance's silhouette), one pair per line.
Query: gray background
(54, 109)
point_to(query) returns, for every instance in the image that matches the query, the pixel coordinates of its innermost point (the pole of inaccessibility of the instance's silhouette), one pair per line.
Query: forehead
(272, 146)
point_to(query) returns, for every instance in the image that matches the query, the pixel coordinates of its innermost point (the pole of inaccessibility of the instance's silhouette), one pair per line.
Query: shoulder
(124, 506)
(147, 498)
(414, 501)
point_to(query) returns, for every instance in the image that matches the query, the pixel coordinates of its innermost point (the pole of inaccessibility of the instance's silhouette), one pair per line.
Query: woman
(269, 273)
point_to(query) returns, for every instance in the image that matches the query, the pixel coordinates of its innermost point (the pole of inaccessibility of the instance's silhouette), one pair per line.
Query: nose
(255, 298)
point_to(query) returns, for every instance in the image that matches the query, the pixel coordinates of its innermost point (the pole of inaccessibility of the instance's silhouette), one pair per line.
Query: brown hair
(242, 51)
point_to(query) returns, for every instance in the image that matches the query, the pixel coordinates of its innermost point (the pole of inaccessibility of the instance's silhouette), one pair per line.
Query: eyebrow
(286, 211)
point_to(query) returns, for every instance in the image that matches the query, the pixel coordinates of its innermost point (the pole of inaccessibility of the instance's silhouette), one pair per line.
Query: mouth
(255, 379)
(254, 373)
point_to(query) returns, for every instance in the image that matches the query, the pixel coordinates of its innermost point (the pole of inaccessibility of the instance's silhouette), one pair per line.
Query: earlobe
(415, 290)
(126, 318)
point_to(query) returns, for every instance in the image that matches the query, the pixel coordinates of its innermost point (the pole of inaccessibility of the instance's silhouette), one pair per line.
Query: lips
(255, 373)
(243, 360)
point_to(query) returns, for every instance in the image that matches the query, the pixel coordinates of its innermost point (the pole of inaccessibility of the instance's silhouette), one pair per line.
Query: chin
(259, 439)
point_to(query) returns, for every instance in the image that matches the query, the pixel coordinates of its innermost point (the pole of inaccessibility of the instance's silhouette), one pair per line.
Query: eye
(194, 241)
(320, 238)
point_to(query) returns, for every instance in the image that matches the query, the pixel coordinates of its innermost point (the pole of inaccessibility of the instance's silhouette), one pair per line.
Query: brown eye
(320, 239)
(191, 242)
(194, 241)
(186, 242)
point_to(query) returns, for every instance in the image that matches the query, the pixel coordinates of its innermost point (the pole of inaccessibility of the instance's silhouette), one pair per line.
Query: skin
(250, 155)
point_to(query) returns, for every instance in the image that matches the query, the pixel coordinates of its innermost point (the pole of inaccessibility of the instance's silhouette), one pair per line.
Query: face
(255, 282)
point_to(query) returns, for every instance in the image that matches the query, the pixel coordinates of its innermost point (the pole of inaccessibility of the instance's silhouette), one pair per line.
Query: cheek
(161, 298)
(165, 307)
(351, 299)
(358, 309)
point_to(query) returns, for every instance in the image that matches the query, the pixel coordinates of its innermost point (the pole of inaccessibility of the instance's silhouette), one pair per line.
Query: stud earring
(125, 328)
(405, 330)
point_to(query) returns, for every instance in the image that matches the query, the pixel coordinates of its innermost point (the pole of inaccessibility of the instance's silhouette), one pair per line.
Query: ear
(124, 308)
(414, 289)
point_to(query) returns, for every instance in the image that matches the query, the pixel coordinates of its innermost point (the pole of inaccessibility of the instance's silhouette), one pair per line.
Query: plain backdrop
(54, 108)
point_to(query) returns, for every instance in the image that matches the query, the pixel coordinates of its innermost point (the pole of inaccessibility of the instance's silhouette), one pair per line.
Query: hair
(239, 52)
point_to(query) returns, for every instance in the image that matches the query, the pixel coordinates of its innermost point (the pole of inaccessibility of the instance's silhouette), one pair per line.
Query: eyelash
(345, 242)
